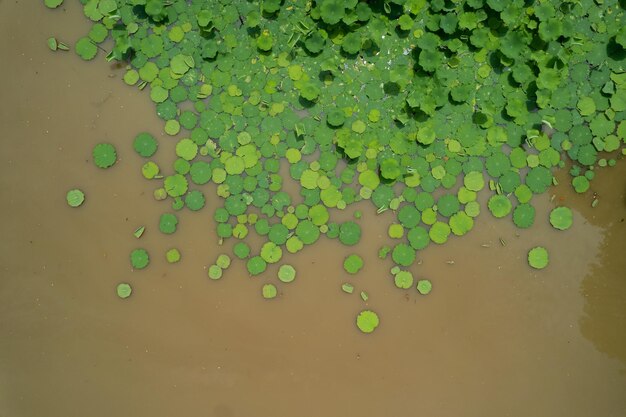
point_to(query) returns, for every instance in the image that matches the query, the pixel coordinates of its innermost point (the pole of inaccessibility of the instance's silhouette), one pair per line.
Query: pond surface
(494, 338)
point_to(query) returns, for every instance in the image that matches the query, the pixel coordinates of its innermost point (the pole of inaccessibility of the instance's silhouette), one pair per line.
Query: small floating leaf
(124, 290)
(139, 258)
(53, 44)
(353, 264)
(286, 273)
(499, 205)
(172, 256)
(561, 218)
(168, 223)
(403, 279)
(223, 261)
(75, 197)
(269, 291)
(104, 155)
(538, 257)
(86, 49)
(424, 286)
(145, 144)
(349, 233)
(53, 4)
(367, 321)
(215, 272)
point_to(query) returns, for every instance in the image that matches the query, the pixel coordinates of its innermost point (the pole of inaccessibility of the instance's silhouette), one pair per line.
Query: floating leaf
(403, 279)
(168, 223)
(139, 258)
(403, 254)
(349, 233)
(499, 205)
(538, 257)
(215, 272)
(172, 256)
(139, 231)
(104, 155)
(561, 218)
(75, 197)
(124, 290)
(269, 291)
(286, 273)
(86, 48)
(367, 321)
(53, 3)
(524, 216)
(145, 144)
(353, 264)
(424, 286)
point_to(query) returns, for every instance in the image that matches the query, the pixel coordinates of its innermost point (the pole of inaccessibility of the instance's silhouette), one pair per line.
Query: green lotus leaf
(332, 11)
(86, 48)
(439, 232)
(561, 218)
(104, 155)
(256, 265)
(175, 185)
(75, 197)
(124, 290)
(403, 254)
(265, 42)
(286, 273)
(403, 279)
(53, 4)
(424, 286)
(538, 257)
(499, 205)
(351, 43)
(367, 321)
(168, 223)
(461, 223)
(353, 264)
(172, 256)
(271, 252)
(315, 43)
(349, 233)
(145, 144)
(524, 216)
(139, 258)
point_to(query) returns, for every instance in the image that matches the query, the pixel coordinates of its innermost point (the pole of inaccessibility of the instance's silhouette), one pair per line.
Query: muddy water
(494, 338)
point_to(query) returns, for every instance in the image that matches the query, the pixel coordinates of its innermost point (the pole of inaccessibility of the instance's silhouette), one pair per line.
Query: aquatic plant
(393, 101)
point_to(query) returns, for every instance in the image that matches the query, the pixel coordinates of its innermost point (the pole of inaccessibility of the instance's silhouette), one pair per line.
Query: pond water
(494, 338)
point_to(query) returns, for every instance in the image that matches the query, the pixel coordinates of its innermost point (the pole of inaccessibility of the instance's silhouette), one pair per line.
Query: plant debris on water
(414, 105)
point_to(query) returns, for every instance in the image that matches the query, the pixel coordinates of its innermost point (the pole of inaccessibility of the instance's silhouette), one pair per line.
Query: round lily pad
(424, 286)
(215, 272)
(75, 197)
(349, 233)
(561, 218)
(104, 155)
(538, 257)
(499, 205)
(139, 258)
(172, 256)
(286, 273)
(353, 264)
(124, 290)
(403, 279)
(269, 291)
(367, 321)
(168, 223)
(145, 144)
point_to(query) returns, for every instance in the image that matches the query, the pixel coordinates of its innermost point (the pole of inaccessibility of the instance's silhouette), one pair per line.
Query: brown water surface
(494, 338)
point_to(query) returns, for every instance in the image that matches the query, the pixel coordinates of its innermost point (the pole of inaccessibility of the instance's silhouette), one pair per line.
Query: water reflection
(604, 314)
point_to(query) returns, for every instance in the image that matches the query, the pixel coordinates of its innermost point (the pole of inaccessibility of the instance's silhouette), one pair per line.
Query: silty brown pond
(494, 338)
